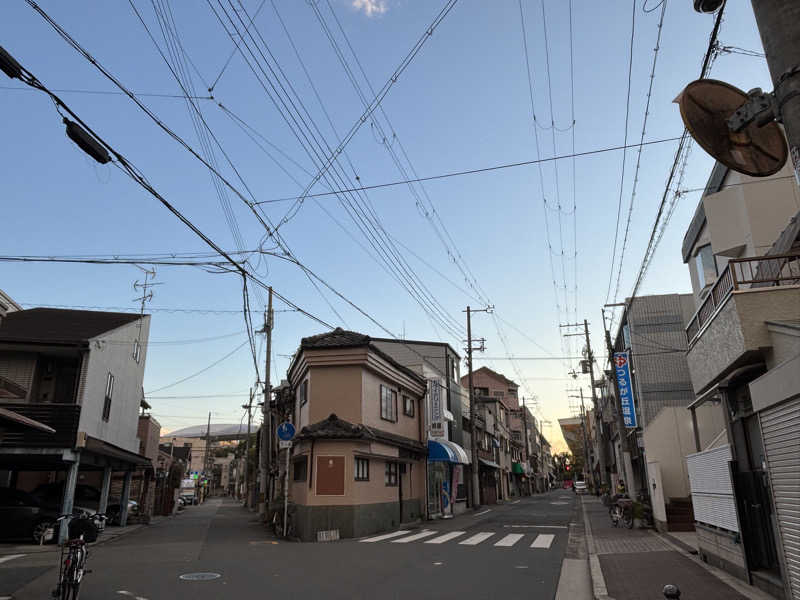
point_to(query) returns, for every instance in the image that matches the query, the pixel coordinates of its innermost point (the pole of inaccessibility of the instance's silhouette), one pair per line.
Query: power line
(205, 311)
(639, 156)
(233, 51)
(624, 154)
(200, 372)
(109, 93)
(523, 163)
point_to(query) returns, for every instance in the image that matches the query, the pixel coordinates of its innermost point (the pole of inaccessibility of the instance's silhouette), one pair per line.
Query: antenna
(147, 296)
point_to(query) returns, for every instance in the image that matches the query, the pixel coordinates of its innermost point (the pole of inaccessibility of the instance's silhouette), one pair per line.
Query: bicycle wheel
(627, 521)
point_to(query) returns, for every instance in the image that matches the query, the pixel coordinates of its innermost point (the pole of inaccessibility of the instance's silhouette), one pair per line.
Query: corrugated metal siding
(780, 428)
(712, 489)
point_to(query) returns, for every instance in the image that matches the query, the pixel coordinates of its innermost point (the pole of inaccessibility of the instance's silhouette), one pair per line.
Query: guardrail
(745, 273)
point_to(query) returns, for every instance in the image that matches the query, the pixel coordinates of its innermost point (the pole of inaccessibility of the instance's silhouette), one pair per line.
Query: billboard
(623, 373)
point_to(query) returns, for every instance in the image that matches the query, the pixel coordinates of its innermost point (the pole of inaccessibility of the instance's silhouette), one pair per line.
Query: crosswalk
(540, 541)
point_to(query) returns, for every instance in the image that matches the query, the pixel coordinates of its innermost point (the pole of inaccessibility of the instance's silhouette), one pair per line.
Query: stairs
(680, 516)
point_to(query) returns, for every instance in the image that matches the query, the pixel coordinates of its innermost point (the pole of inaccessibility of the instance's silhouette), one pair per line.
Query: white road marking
(515, 502)
(415, 537)
(482, 513)
(536, 526)
(477, 538)
(387, 536)
(10, 557)
(510, 539)
(437, 563)
(543, 540)
(446, 537)
(558, 503)
(521, 567)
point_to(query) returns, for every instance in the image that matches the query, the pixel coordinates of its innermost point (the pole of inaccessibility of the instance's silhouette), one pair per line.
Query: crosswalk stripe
(446, 537)
(415, 537)
(387, 536)
(510, 539)
(543, 540)
(477, 538)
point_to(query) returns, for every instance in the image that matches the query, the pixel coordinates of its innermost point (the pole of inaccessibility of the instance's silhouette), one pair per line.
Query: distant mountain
(217, 429)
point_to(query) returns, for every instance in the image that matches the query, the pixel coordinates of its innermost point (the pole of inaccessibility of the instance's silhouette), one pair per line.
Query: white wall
(113, 352)
(668, 439)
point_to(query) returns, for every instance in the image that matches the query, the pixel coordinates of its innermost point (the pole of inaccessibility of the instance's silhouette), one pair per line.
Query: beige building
(358, 464)
(743, 248)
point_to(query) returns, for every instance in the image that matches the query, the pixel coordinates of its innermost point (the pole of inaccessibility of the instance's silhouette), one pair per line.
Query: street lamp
(707, 6)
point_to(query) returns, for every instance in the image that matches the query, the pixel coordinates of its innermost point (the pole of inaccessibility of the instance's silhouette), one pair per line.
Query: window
(391, 474)
(137, 351)
(109, 394)
(388, 404)
(453, 369)
(304, 392)
(481, 392)
(704, 266)
(300, 471)
(362, 469)
(408, 406)
(498, 394)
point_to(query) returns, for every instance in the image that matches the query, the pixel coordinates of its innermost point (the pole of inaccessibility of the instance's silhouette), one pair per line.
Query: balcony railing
(61, 417)
(745, 273)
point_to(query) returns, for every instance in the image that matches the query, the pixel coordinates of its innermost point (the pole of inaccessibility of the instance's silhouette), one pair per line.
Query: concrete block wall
(722, 550)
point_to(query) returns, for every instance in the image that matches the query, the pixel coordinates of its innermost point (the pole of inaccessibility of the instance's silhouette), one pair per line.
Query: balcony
(61, 417)
(730, 328)
(744, 273)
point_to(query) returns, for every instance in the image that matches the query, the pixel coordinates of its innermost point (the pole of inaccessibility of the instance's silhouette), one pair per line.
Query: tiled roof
(497, 375)
(338, 338)
(56, 325)
(334, 428)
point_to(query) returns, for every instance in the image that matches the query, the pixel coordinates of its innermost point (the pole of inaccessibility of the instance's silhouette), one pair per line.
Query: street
(513, 550)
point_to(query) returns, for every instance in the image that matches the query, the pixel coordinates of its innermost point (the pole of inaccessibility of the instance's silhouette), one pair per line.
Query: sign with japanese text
(623, 372)
(437, 416)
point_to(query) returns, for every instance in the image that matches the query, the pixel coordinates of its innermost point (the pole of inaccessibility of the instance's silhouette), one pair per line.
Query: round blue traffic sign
(285, 431)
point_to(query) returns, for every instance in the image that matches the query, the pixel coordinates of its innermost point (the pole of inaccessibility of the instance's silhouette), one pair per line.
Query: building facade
(743, 252)
(358, 465)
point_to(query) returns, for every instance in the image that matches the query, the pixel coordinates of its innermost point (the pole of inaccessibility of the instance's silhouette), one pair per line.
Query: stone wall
(353, 521)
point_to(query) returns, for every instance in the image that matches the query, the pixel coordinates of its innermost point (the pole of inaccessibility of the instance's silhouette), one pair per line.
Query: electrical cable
(200, 372)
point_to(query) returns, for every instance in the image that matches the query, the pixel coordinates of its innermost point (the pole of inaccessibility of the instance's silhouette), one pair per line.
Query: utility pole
(473, 413)
(249, 407)
(627, 468)
(585, 439)
(527, 441)
(602, 442)
(778, 24)
(266, 421)
(208, 448)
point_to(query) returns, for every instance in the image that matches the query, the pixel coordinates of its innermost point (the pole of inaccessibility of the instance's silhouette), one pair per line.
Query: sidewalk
(636, 564)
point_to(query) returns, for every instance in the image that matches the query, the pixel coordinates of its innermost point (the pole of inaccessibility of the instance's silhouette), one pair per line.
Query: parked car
(87, 498)
(580, 487)
(188, 499)
(23, 518)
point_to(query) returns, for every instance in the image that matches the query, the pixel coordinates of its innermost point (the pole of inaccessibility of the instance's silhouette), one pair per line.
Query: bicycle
(622, 512)
(74, 554)
(277, 521)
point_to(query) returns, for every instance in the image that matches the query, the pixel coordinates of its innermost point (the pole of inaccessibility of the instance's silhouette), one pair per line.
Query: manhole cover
(200, 576)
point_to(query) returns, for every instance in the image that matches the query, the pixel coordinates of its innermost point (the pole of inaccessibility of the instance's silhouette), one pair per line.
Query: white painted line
(387, 536)
(10, 557)
(446, 537)
(543, 540)
(482, 513)
(536, 526)
(510, 539)
(477, 538)
(417, 536)
(515, 502)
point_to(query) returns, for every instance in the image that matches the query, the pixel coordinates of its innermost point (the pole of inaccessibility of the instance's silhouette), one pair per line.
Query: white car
(580, 487)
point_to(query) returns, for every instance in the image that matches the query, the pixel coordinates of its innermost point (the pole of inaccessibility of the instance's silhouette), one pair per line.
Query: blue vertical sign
(623, 371)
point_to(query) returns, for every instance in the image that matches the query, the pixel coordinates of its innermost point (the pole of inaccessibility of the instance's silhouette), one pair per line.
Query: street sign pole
(285, 434)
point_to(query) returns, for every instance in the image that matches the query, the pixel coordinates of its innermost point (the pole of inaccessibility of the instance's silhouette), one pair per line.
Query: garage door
(780, 428)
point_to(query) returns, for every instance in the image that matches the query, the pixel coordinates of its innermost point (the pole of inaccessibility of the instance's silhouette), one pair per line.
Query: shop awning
(447, 451)
(517, 468)
(489, 463)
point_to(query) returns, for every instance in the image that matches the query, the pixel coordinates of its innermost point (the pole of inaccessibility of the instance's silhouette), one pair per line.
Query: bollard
(672, 592)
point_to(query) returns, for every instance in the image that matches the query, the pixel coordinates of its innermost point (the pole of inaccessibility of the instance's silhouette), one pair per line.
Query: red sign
(620, 360)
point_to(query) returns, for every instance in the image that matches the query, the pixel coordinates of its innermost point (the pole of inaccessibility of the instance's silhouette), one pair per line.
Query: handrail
(754, 271)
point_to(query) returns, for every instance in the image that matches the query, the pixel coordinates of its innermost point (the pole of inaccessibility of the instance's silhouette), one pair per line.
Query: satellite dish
(705, 105)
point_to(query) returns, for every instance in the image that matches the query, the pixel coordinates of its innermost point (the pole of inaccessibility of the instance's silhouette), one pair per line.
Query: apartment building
(743, 252)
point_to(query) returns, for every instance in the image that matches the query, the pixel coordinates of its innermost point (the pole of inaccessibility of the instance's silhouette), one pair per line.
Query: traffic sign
(282, 444)
(285, 431)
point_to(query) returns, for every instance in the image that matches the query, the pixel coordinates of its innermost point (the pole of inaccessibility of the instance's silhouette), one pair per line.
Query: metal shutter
(712, 490)
(780, 428)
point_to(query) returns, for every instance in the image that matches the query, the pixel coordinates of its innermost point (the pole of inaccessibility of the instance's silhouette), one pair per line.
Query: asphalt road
(510, 551)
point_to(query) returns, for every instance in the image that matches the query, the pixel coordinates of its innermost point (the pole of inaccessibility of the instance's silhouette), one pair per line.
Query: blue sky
(462, 103)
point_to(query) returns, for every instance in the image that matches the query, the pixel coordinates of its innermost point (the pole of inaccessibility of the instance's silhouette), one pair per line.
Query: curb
(599, 588)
